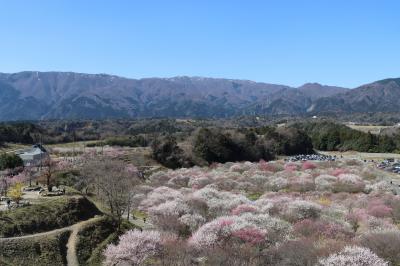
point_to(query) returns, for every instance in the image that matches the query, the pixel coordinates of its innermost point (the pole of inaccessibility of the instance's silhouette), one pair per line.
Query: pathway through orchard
(72, 259)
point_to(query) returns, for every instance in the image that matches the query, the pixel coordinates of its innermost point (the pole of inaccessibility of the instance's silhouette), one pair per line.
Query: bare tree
(3, 185)
(112, 183)
(29, 174)
(48, 171)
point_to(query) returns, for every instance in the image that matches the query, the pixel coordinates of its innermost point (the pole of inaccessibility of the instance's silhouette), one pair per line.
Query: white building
(33, 156)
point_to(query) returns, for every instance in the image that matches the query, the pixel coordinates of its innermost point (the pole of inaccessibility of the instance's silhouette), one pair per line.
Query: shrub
(134, 248)
(244, 208)
(300, 209)
(158, 196)
(166, 215)
(378, 209)
(326, 229)
(277, 183)
(338, 171)
(168, 153)
(301, 183)
(325, 182)
(268, 167)
(290, 167)
(396, 210)
(248, 228)
(10, 161)
(219, 202)
(353, 255)
(15, 192)
(293, 252)
(308, 165)
(385, 244)
(349, 183)
(192, 221)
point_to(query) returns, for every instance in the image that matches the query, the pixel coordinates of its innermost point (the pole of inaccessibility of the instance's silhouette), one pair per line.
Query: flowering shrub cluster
(353, 256)
(6, 182)
(267, 213)
(135, 247)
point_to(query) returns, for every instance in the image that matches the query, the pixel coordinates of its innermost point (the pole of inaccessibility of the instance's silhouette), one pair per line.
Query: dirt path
(72, 258)
(47, 233)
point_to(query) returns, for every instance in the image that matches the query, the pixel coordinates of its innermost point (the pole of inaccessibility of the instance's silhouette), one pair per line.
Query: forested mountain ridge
(66, 95)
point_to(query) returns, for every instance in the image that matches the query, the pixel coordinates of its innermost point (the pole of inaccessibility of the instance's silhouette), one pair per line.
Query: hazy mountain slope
(380, 96)
(46, 95)
(315, 91)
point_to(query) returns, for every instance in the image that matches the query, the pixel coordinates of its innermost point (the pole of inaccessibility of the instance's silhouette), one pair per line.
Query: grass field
(77, 144)
(373, 129)
(362, 155)
(9, 147)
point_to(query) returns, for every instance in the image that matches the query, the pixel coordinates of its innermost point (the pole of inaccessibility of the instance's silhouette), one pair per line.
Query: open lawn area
(362, 155)
(373, 129)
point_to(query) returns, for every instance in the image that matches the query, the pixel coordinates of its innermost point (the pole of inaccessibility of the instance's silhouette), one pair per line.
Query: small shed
(33, 156)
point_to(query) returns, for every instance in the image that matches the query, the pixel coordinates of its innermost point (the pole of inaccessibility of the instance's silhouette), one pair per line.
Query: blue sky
(341, 42)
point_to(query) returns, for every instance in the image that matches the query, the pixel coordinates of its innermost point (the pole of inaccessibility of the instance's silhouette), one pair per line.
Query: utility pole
(41, 152)
(73, 145)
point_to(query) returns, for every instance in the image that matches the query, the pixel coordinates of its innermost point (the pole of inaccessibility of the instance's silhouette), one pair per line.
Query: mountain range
(34, 95)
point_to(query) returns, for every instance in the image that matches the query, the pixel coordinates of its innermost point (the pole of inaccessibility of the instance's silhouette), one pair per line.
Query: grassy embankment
(47, 250)
(46, 216)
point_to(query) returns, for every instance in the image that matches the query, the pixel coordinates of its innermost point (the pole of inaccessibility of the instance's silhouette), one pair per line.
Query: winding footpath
(72, 258)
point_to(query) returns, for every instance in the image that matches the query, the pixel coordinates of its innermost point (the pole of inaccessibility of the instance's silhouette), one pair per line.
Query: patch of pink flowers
(251, 235)
(243, 208)
(308, 166)
(268, 167)
(338, 171)
(290, 167)
(378, 209)
(134, 246)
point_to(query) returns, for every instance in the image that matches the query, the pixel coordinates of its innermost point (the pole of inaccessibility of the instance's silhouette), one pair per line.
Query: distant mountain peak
(308, 84)
(386, 81)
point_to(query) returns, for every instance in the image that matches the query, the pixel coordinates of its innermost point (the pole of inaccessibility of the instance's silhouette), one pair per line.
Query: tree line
(330, 136)
(209, 145)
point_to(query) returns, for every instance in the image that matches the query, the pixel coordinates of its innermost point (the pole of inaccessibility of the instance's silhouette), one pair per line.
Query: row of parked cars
(311, 157)
(390, 165)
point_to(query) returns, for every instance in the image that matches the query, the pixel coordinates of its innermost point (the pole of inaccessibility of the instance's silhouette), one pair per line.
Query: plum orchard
(275, 213)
